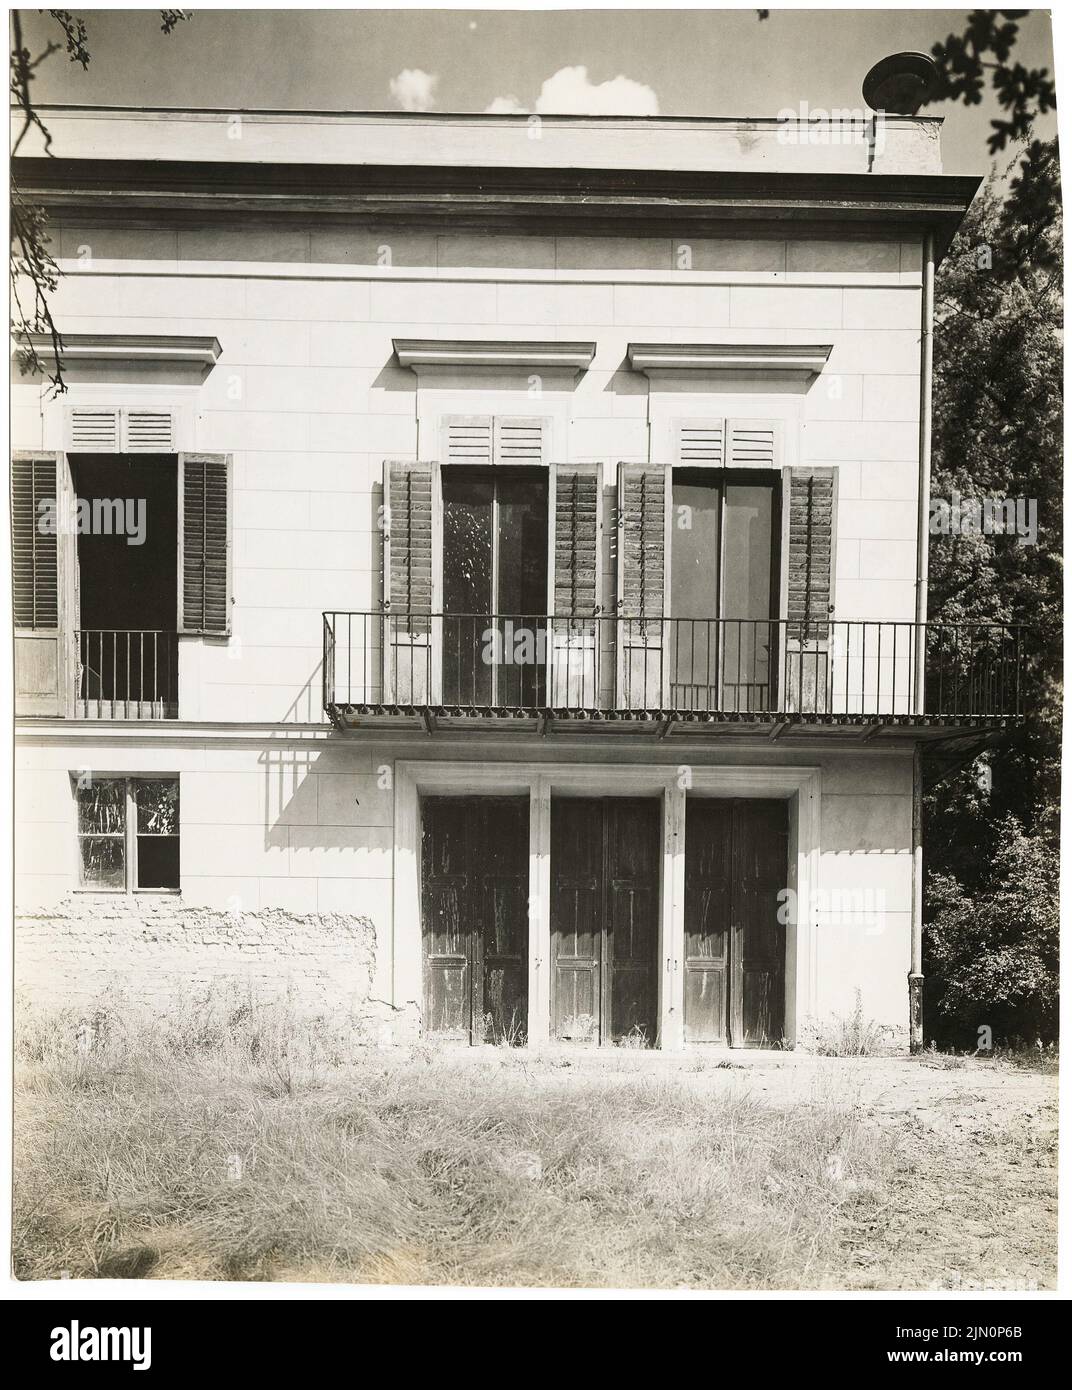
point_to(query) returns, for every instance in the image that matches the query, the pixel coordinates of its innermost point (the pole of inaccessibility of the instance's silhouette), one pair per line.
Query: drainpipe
(915, 971)
(915, 975)
(923, 514)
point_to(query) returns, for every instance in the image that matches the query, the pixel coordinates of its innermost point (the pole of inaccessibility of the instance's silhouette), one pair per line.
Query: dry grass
(245, 1147)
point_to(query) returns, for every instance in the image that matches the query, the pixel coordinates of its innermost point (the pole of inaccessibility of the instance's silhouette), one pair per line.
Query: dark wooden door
(604, 918)
(708, 898)
(474, 914)
(736, 863)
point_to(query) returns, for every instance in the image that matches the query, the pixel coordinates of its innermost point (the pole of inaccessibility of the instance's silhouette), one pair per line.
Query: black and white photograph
(536, 663)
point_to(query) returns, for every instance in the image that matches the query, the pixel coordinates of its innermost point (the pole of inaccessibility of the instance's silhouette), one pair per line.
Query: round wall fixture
(900, 83)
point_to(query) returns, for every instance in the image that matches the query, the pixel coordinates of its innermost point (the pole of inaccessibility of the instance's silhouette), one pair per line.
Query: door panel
(632, 879)
(736, 863)
(708, 895)
(445, 915)
(474, 909)
(761, 849)
(576, 919)
(604, 918)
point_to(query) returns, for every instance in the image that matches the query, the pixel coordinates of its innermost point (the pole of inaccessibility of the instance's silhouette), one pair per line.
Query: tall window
(128, 833)
(723, 589)
(494, 585)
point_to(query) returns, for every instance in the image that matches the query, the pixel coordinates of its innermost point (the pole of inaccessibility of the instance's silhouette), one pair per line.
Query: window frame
(129, 834)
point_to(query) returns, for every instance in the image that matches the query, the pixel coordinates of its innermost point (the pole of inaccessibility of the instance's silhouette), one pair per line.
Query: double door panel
(474, 909)
(736, 866)
(605, 919)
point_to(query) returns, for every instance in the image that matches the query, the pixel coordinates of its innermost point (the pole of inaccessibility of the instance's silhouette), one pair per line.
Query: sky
(614, 61)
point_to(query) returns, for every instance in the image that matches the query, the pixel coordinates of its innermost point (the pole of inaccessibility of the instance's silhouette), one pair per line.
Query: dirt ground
(975, 1144)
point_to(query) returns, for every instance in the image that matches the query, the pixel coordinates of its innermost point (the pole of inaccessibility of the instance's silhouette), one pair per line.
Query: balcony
(659, 675)
(127, 674)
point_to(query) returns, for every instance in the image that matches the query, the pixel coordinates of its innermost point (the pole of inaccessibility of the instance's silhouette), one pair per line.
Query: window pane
(102, 806)
(158, 861)
(522, 576)
(467, 510)
(694, 557)
(747, 595)
(103, 861)
(158, 807)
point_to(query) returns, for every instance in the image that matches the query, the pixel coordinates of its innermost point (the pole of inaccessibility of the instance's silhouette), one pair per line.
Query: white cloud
(568, 92)
(414, 89)
(505, 106)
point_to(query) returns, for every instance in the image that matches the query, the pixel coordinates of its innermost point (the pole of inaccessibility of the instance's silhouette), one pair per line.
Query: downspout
(915, 974)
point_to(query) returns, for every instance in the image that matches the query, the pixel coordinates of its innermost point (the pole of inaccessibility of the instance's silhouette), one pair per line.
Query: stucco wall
(287, 862)
(308, 399)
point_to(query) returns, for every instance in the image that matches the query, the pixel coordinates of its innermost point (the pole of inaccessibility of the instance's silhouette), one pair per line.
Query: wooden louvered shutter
(41, 663)
(521, 440)
(467, 439)
(34, 550)
(408, 570)
(643, 522)
(205, 544)
(753, 444)
(578, 566)
(148, 431)
(94, 430)
(699, 443)
(812, 498)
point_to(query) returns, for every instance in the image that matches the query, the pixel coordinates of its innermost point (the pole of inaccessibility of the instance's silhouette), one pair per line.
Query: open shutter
(812, 498)
(577, 584)
(408, 490)
(643, 524)
(35, 583)
(753, 443)
(205, 544)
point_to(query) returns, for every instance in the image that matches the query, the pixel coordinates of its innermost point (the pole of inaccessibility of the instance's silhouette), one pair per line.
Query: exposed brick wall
(151, 952)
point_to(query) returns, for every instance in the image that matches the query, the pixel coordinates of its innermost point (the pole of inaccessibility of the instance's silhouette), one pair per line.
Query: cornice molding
(773, 358)
(429, 353)
(130, 348)
(582, 201)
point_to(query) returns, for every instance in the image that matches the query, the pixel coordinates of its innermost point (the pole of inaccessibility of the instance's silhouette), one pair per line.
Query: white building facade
(487, 593)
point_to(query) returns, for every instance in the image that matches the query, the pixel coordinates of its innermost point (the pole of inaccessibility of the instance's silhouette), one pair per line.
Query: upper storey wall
(851, 144)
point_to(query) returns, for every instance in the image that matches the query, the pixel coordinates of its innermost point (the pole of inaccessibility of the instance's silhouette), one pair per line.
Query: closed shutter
(34, 552)
(699, 443)
(467, 439)
(93, 430)
(521, 441)
(205, 543)
(643, 510)
(753, 444)
(408, 490)
(578, 556)
(114, 430)
(498, 439)
(812, 494)
(148, 432)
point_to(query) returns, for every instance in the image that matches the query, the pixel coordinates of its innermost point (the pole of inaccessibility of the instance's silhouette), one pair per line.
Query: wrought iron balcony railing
(127, 674)
(609, 665)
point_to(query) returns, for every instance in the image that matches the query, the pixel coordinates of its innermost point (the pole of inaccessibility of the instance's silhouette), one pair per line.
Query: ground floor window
(128, 833)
